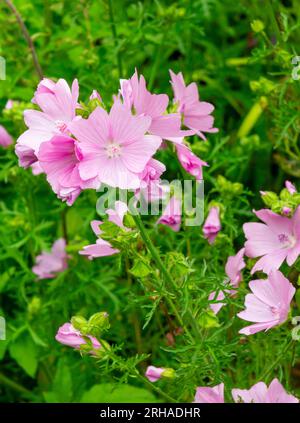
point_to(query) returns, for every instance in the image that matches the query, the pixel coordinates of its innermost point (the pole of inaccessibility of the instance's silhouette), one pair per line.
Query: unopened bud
(98, 323)
(269, 197)
(168, 373)
(79, 323)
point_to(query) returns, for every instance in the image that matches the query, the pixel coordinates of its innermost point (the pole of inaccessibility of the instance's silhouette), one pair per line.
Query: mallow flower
(209, 395)
(135, 95)
(171, 215)
(189, 161)
(5, 138)
(269, 303)
(58, 105)
(261, 393)
(68, 335)
(114, 146)
(102, 248)
(153, 374)
(234, 265)
(49, 264)
(275, 240)
(60, 158)
(212, 224)
(196, 114)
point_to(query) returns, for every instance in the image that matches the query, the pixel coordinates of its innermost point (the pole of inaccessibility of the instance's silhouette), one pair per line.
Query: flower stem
(156, 257)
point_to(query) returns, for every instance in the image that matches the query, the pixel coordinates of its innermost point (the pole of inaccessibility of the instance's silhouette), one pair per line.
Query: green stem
(156, 389)
(156, 257)
(14, 385)
(274, 364)
(115, 36)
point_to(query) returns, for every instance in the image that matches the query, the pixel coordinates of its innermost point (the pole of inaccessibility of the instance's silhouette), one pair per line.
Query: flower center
(61, 126)
(286, 240)
(113, 150)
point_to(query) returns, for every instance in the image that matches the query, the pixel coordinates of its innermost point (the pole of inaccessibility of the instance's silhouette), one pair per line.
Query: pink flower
(269, 303)
(9, 104)
(286, 210)
(190, 162)
(154, 373)
(68, 335)
(60, 158)
(207, 395)
(103, 248)
(290, 187)
(275, 240)
(5, 138)
(260, 393)
(233, 268)
(196, 114)
(212, 225)
(49, 264)
(95, 96)
(136, 95)
(172, 214)
(151, 188)
(58, 104)
(36, 169)
(114, 146)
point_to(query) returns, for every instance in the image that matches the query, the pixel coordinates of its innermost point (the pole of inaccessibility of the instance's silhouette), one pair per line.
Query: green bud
(269, 198)
(34, 306)
(98, 323)
(257, 25)
(285, 195)
(168, 373)
(79, 323)
(208, 320)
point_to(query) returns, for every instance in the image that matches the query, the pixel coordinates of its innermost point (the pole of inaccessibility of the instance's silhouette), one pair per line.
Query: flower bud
(269, 197)
(128, 221)
(98, 323)
(79, 323)
(257, 25)
(168, 373)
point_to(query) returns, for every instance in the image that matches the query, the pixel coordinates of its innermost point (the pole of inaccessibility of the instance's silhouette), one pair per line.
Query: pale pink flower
(103, 248)
(196, 114)
(49, 264)
(58, 104)
(286, 210)
(151, 188)
(114, 146)
(9, 104)
(60, 158)
(154, 373)
(190, 162)
(171, 215)
(260, 393)
(275, 240)
(269, 303)
(234, 266)
(95, 96)
(207, 395)
(5, 138)
(68, 335)
(212, 225)
(290, 187)
(136, 95)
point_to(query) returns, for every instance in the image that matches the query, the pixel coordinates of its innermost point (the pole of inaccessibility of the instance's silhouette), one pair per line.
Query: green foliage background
(98, 42)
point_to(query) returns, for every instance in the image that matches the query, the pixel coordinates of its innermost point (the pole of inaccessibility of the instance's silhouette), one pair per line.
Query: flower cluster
(114, 147)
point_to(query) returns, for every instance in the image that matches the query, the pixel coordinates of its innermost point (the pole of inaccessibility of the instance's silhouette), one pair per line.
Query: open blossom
(154, 373)
(290, 187)
(261, 393)
(196, 114)
(49, 264)
(5, 138)
(234, 266)
(68, 335)
(212, 225)
(114, 146)
(136, 95)
(58, 104)
(151, 188)
(60, 158)
(206, 395)
(189, 161)
(269, 303)
(275, 240)
(171, 215)
(103, 248)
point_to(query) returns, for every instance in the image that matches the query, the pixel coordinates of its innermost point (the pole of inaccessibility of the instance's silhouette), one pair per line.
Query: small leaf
(24, 351)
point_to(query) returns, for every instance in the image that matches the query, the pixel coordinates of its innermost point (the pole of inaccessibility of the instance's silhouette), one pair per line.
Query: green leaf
(24, 351)
(140, 268)
(111, 393)
(62, 389)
